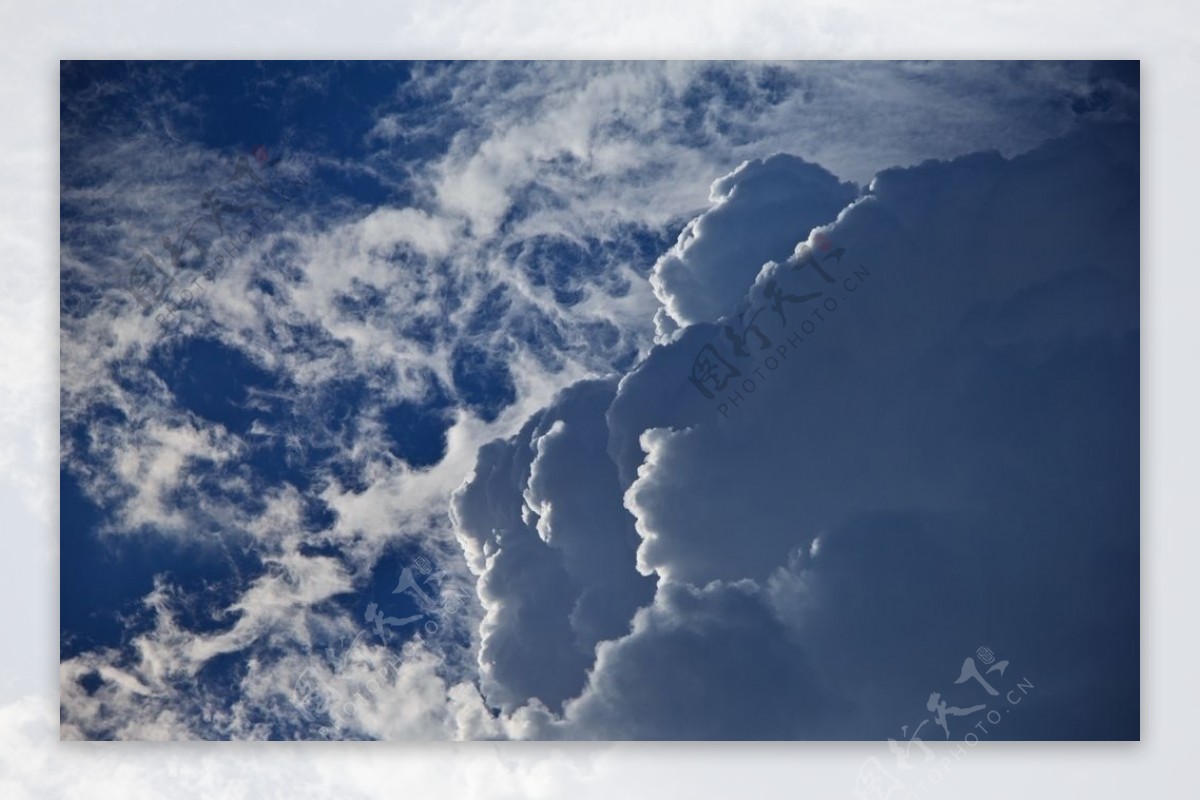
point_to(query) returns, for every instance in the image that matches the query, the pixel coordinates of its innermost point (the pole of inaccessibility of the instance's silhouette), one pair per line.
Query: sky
(599, 400)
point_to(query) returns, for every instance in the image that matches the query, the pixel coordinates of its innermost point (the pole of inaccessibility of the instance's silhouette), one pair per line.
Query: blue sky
(453, 329)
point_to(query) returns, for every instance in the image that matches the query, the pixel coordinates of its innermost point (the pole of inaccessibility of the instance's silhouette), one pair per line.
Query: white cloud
(542, 523)
(760, 211)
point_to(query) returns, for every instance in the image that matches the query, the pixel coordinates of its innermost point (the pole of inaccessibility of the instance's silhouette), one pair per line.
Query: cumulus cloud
(953, 419)
(703, 664)
(542, 522)
(759, 212)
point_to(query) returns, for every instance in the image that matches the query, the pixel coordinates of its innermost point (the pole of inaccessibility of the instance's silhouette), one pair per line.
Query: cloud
(953, 419)
(490, 249)
(541, 522)
(702, 664)
(759, 212)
